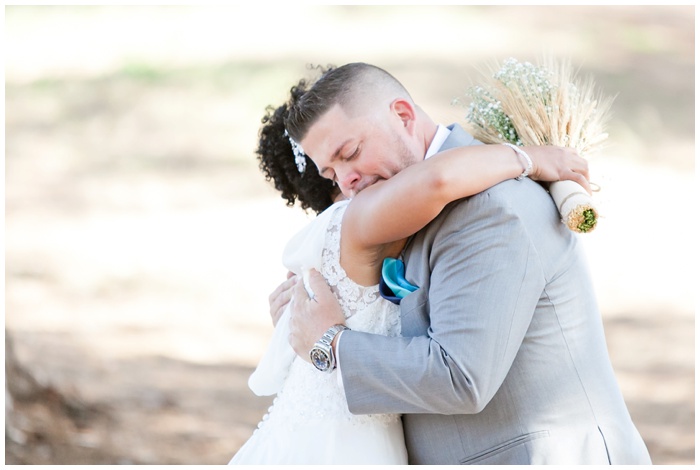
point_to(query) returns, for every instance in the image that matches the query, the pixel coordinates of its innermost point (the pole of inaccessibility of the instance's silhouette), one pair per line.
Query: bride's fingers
(580, 179)
(584, 170)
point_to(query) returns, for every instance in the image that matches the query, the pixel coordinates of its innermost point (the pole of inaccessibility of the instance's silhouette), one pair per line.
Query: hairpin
(299, 155)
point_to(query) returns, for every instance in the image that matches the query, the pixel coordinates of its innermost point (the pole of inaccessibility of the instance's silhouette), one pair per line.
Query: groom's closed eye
(353, 155)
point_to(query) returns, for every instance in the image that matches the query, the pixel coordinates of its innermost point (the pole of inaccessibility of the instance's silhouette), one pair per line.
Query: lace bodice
(364, 309)
(308, 394)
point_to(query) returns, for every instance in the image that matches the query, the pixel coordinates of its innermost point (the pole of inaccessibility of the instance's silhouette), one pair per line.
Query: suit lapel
(458, 137)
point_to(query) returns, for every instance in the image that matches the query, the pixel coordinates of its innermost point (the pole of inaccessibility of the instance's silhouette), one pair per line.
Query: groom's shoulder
(506, 192)
(488, 210)
(510, 196)
(513, 188)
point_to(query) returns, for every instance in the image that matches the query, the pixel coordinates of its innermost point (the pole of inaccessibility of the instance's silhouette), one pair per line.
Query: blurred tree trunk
(20, 387)
(42, 424)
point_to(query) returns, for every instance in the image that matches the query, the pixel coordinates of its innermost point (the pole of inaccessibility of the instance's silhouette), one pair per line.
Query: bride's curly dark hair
(277, 160)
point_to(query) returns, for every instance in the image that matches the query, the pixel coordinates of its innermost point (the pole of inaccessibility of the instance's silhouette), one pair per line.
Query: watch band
(331, 333)
(322, 356)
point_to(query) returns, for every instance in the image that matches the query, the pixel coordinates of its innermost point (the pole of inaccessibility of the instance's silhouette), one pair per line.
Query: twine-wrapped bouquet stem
(543, 104)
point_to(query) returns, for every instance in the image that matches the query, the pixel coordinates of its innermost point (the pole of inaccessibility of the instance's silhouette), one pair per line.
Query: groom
(502, 358)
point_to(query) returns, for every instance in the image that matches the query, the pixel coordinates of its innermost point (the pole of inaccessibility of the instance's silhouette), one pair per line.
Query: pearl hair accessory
(299, 155)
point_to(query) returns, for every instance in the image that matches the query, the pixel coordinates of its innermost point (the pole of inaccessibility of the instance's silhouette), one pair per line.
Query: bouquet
(543, 104)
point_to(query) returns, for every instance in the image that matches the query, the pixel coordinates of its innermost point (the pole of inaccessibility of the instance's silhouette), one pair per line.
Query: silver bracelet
(520, 151)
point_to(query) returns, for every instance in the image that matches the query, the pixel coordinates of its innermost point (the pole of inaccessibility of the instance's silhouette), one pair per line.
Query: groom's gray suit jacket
(502, 358)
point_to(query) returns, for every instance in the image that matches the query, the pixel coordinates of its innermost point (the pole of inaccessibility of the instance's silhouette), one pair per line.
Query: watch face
(320, 359)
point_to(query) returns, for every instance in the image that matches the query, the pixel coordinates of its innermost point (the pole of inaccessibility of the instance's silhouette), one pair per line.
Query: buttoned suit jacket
(502, 357)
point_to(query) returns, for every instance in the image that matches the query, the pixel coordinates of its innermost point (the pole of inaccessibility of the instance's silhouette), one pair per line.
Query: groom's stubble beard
(406, 156)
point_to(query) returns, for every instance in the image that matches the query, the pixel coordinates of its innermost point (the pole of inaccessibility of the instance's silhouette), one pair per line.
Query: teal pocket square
(393, 286)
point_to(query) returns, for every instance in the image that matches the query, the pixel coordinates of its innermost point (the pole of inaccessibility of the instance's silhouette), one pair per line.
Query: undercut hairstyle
(352, 86)
(277, 162)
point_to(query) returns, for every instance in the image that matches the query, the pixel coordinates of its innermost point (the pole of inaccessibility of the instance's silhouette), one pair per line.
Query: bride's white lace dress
(309, 421)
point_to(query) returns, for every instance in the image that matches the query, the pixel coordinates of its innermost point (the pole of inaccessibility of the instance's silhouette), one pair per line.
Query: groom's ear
(405, 112)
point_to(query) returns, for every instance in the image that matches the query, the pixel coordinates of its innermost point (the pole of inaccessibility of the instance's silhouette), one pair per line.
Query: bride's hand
(550, 163)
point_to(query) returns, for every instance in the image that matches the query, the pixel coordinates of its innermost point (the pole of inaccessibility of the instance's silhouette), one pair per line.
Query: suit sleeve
(485, 282)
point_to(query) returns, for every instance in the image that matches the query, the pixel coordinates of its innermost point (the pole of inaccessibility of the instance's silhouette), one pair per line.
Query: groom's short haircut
(353, 86)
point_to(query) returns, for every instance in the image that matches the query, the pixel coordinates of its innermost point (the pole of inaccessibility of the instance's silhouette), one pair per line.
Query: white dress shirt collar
(438, 140)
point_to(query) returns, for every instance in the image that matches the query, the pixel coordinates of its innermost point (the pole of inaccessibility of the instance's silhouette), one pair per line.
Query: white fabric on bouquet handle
(572, 200)
(302, 253)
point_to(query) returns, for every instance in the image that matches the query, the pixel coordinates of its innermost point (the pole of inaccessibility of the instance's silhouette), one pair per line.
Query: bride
(309, 422)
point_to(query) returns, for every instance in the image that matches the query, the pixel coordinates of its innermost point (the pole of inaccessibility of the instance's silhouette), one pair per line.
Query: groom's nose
(348, 180)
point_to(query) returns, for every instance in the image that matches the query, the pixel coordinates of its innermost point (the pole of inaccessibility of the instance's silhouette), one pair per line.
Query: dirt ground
(141, 241)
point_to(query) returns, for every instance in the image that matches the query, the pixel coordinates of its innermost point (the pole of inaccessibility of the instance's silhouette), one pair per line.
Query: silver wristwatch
(321, 354)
